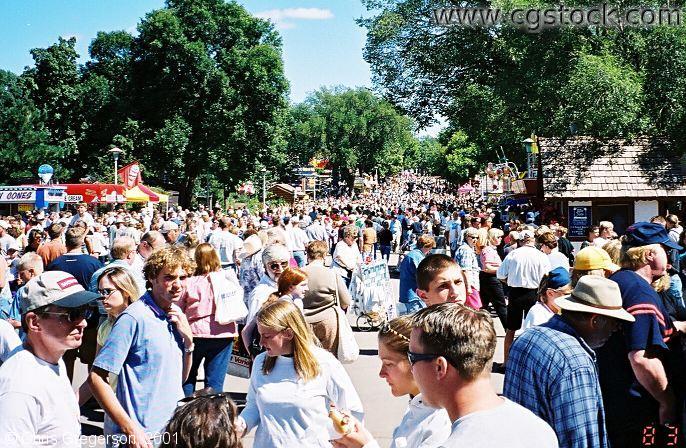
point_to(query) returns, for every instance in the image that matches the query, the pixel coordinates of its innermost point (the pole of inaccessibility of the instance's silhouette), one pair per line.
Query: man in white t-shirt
(451, 352)
(37, 404)
(82, 215)
(227, 244)
(6, 240)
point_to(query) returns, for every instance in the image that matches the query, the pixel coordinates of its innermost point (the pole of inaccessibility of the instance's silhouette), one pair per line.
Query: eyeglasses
(106, 292)
(200, 395)
(276, 265)
(74, 314)
(416, 357)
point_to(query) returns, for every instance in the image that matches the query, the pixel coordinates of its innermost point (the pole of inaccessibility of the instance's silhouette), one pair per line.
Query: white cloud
(282, 18)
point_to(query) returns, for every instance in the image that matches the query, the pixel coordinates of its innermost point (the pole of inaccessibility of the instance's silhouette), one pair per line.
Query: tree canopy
(500, 84)
(354, 129)
(199, 93)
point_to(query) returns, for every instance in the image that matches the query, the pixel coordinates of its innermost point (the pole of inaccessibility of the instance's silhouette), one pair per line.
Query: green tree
(24, 139)
(353, 128)
(500, 84)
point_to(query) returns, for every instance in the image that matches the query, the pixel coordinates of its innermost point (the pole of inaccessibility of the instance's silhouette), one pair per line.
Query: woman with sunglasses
(276, 258)
(422, 425)
(34, 240)
(118, 290)
(213, 341)
(293, 384)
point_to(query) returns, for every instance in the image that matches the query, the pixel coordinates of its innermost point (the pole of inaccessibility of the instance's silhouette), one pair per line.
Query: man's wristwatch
(189, 349)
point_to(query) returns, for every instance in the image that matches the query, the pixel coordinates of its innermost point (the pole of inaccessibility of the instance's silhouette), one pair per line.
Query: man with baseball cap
(170, 231)
(551, 368)
(522, 270)
(636, 372)
(37, 403)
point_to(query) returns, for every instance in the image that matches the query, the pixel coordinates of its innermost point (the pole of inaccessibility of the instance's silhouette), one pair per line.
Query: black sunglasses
(277, 265)
(224, 395)
(416, 357)
(105, 292)
(74, 314)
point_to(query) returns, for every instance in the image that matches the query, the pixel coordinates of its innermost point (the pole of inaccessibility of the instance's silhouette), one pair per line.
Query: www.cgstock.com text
(537, 19)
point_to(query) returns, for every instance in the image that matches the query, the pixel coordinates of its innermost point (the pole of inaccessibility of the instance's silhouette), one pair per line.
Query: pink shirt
(197, 303)
(489, 254)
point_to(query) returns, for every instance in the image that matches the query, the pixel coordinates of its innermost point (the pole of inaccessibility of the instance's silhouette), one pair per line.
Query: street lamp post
(264, 188)
(115, 154)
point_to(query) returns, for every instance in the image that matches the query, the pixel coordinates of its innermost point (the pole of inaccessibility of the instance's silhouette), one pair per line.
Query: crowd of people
(593, 351)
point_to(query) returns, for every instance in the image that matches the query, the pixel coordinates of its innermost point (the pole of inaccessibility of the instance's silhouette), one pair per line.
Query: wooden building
(619, 181)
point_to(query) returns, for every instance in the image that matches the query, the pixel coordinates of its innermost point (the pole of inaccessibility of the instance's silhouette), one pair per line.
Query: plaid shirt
(468, 261)
(552, 372)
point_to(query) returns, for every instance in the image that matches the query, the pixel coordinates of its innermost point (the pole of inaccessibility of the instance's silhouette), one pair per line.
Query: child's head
(440, 279)
(205, 421)
(394, 342)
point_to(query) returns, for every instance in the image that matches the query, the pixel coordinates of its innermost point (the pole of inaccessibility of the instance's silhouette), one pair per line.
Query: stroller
(371, 292)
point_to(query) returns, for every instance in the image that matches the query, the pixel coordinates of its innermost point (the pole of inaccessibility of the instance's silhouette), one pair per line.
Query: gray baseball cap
(55, 288)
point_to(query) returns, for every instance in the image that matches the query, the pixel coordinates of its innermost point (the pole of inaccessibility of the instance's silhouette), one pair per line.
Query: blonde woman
(213, 341)
(293, 383)
(422, 425)
(118, 290)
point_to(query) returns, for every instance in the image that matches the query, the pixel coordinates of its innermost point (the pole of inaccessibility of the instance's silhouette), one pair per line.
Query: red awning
(94, 193)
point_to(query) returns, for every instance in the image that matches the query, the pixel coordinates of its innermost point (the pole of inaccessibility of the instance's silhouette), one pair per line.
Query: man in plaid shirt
(552, 368)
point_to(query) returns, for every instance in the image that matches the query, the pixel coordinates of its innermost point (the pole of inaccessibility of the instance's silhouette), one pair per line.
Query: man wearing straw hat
(551, 369)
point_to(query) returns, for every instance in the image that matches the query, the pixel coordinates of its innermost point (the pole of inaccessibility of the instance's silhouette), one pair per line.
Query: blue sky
(322, 43)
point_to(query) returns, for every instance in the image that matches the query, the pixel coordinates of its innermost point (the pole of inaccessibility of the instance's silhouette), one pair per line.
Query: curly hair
(172, 257)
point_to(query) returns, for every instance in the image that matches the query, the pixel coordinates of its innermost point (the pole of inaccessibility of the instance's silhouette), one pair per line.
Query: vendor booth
(29, 197)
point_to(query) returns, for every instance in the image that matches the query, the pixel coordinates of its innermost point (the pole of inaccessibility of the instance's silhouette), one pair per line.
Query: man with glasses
(123, 254)
(82, 267)
(150, 242)
(37, 404)
(451, 351)
(150, 348)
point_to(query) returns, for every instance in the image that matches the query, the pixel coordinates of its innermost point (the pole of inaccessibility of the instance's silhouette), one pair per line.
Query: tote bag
(228, 299)
(348, 350)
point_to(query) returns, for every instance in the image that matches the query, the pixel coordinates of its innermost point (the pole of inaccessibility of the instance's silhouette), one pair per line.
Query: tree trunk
(186, 192)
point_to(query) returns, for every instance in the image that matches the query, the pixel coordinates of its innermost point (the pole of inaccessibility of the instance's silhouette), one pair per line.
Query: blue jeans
(300, 257)
(216, 352)
(385, 252)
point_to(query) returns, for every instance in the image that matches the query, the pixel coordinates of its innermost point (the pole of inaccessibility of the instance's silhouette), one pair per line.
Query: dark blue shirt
(80, 266)
(627, 403)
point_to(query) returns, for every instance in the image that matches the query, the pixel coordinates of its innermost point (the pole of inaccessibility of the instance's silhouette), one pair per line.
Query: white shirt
(9, 340)
(259, 295)
(421, 427)
(507, 425)
(350, 255)
(289, 412)
(299, 238)
(558, 260)
(537, 315)
(599, 242)
(524, 267)
(87, 218)
(227, 244)
(37, 404)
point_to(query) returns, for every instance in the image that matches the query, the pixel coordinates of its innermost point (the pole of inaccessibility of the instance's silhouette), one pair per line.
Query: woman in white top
(293, 383)
(554, 284)
(346, 255)
(422, 426)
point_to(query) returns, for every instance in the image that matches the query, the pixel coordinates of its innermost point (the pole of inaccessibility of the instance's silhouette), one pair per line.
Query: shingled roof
(581, 167)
